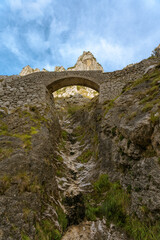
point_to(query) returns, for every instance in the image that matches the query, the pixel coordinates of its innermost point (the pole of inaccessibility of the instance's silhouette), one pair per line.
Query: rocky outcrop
(59, 69)
(86, 62)
(75, 90)
(87, 170)
(28, 70)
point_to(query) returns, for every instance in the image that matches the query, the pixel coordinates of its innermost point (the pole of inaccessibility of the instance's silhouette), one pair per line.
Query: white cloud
(9, 39)
(15, 4)
(30, 10)
(151, 4)
(105, 51)
(36, 41)
(49, 67)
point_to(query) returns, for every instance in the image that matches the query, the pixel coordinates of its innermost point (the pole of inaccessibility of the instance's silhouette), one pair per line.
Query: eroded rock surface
(28, 70)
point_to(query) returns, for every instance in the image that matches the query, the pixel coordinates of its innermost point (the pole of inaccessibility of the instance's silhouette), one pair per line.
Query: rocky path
(73, 186)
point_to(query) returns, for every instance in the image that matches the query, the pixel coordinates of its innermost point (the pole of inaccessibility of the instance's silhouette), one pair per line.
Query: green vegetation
(27, 183)
(25, 237)
(59, 173)
(85, 156)
(102, 184)
(64, 135)
(5, 183)
(23, 181)
(59, 158)
(5, 152)
(109, 106)
(121, 137)
(154, 118)
(74, 108)
(26, 138)
(3, 128)
(47, 231)
(113, 131)
(95, 139)
(109, 200)
(33, 118)
(62, 219)
(132, 115)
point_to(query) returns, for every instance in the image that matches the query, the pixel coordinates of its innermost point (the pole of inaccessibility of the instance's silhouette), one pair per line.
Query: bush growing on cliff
(109, 200)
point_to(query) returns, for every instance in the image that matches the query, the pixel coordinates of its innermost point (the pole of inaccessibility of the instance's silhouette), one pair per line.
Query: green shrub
(3, 128)
(85, 156)
(91, 212)
(154, 119)
(113, 204)
(102, 184)
(64, 135)
(62, 218)
(47, 231)
(59, 158)
(147, 107)
(5, 152)
(25, 237)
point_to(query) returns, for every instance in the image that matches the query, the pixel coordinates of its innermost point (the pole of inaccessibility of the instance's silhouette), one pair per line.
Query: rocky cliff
(28, 70)
(85, 62)
(75, 168)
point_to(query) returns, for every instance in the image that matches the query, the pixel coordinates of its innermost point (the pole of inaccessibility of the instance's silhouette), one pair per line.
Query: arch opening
(71, 81)
(69, 91)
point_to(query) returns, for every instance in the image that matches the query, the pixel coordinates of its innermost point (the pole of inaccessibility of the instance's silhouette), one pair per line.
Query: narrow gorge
(78, 168)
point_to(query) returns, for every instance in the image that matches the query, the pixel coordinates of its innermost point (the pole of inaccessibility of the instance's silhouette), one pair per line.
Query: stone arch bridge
(34, 89)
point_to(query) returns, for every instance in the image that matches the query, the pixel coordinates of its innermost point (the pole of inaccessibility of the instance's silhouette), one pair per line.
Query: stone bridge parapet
(33, 89)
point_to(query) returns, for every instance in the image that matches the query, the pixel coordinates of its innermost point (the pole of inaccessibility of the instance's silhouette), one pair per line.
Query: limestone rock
(72, 91)
(86, 62)
(59, 69)
(28, 70)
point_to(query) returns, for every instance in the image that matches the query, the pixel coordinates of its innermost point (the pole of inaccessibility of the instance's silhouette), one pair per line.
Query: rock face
(86, 62)
(77, 169)
(59, 69)
(28, 70)
(71, 91)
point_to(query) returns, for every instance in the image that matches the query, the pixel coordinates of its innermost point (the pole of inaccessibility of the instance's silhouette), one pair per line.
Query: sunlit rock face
(28, 70)
(59, 69)
(71, 91)
(86, 62)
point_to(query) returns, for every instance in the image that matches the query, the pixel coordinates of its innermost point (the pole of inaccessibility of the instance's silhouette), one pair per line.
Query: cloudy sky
(46, 33)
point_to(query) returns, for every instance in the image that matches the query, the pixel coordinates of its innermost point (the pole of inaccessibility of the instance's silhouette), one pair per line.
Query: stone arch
(71, 81)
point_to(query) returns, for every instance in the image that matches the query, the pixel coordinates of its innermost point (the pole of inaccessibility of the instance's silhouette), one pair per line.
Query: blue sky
(46, 33)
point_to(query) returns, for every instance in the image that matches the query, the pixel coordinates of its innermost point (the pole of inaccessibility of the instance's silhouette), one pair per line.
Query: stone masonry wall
(114, 82)
(16, 91)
